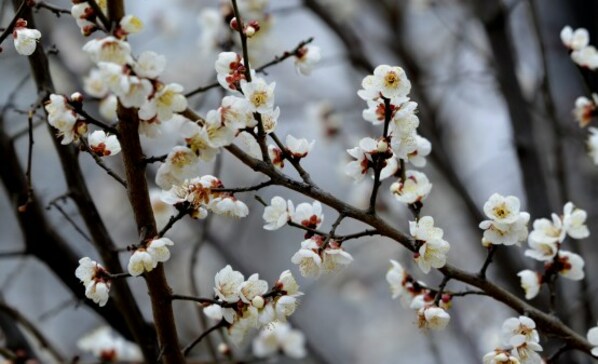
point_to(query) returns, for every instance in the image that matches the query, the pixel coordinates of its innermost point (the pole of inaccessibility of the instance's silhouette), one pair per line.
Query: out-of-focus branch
(33, 330)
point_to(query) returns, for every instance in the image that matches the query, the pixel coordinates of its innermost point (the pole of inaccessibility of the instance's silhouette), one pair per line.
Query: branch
(9, 28)
(257, 187)
(188, 348)
(101, 163)
(58, 11)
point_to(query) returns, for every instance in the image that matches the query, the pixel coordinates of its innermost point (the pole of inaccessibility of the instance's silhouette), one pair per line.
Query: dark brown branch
(173, 220)
(257, 187)
(159, 291)
(94, 121)
(129, 322)
(154, 159)
(9, 28)
(379, 162)
(192, 298)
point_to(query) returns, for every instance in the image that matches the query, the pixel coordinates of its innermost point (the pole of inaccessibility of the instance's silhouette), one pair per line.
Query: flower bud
(234, 24)
(258, 302)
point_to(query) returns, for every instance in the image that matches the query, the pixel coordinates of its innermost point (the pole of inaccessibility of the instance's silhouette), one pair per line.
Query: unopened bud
(77, 97)
(223, 349)
(249, 31)
(258, 302)
(234, 24)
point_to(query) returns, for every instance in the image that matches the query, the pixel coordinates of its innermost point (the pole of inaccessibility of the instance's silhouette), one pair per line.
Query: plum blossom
(230, 70)
(432, 249)
(278, 213)
(145, 259)
(84, 17)
(259, 94)
(334, 258)
(228, 205)
(103, 144)
(585, 110)
(571, 265)
(279, 337)
(506, 224)
(520, 333)
(167, 100)
(25, 38)
(308, 259)
(415, 188)
(306, 58)
(299, 148)
(180, 164)
(149, 65)
(227, 283)
(109, 49)
(396, 277)
(500, 356)
(575, 39)
(62, 117)
(96, 280)
(432, 317)
(574, 221)
(309, 215)
(530, 282)
(586, 57)
(418, 156)
(387, 82)
(131, 24)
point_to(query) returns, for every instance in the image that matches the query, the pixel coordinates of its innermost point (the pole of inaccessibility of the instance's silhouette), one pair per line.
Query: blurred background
(495, 88)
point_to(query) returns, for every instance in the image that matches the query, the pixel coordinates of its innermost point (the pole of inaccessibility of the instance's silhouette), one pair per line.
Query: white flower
(230, 70)
(149, 65)
(432, 254)
(585, 110)
(106, 346)
(415, 189)
(418, 157)
(335, 258)
(82, 13)
(108, 49)
(279, 337)
(299, 148)
(229, 206)
(287, 283)
(574, 221)
(571, 265)
(227, 284)
(25, 39)
(108, 106)
(499, 356)
(270, 120)
(167, 100)
(278, 213)
(309, 215)
(592, 144)
(386, 81)
(506, 234)
(198, 141)
(306, 58)
(181, 163)
(586, 57)
(530, 282)
(309, 261)
(94, 84)
(158, 249)
(593, 339)
(541, 250)
(502, 209)
(548, 231)
(103, 144)
(252, 288)
(131, 24)
(62, 117)
(519, 330)
(285, 306)
(214, 312)
(259, 94)
(358, 168)
(95, 279)
(432, 317)
(396, 276)
(575, 40)
(141, 261)
(139, 89)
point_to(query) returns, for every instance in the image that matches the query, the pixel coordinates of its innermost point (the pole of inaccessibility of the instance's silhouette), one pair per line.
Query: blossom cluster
(96, 280)
(545, 242)
(318, 254)
(198, 196)
(506, 225)
(248, 304)
(147, 257)
(585, 56)
(386, 93)
(521, 343)
(431, 315)
(432, 248)
(63, 117)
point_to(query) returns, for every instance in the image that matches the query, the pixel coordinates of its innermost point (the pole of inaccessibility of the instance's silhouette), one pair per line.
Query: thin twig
(9, 28)
(69, 219)
(102, 165)
(188, 348)
(154, 159)
(91, 120)
(491, 250)
(379, 161)
(58, 11)
(181, 297)
(257, 187)
(100, 15)
(173, 220)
